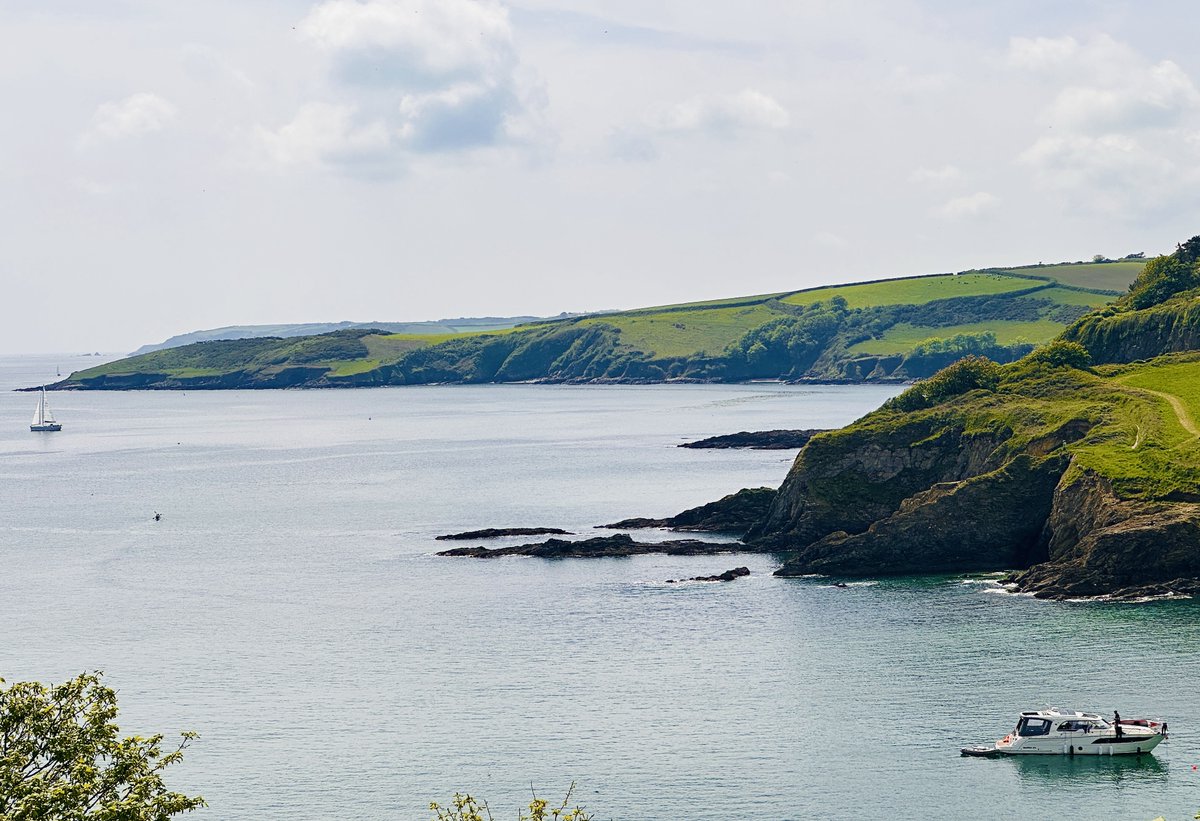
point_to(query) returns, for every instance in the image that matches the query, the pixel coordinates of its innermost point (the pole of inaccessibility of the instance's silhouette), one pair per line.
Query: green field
(916, 290)
(903, 337)
(1104, 276)
(686, 333)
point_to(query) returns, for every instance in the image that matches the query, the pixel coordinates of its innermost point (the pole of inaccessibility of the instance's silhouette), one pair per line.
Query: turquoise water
(288, 608)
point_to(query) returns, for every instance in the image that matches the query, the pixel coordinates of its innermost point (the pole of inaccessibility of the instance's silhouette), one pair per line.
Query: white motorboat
(43, 419)
(1068, 732)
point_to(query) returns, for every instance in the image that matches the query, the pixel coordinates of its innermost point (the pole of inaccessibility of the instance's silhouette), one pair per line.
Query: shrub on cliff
(967, 374)
(1165, 276)
(1060, 353)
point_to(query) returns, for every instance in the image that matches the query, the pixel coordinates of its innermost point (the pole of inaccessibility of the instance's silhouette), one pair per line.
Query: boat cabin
(1055, 720)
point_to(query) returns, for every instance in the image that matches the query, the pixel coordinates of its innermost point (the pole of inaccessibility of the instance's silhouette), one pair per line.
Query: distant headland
(879, 331)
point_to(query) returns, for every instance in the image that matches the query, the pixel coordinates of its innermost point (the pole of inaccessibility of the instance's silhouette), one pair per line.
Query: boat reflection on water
(1089, 770)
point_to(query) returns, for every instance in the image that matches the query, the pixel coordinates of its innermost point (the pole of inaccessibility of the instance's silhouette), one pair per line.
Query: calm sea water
(288, 608)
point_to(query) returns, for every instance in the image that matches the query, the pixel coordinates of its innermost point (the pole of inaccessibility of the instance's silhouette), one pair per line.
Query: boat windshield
(1032, 726)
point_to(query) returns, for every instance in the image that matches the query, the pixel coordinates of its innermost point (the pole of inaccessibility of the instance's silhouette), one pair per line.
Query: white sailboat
(43, 419)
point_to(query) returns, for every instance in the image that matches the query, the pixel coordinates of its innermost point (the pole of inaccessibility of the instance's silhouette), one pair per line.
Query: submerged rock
(622, 544)
(757, 440)
(496, 533)
(735, 513)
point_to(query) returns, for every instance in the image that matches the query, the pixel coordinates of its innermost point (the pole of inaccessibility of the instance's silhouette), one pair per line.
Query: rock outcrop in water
(727, 576)
(622, 544)
(735, 513)
(756, 440)
(500, 532)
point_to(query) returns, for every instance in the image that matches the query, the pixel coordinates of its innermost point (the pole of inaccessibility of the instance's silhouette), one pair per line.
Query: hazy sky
(166, 167)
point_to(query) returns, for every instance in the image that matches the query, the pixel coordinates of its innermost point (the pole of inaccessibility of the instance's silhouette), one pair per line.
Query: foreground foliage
(62, 758)
(464, 807)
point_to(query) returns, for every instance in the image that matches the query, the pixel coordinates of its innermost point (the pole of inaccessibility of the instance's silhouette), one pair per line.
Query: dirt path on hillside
(1180, 410)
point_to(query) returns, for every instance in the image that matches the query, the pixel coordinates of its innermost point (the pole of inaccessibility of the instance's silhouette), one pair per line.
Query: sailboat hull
(46, 426)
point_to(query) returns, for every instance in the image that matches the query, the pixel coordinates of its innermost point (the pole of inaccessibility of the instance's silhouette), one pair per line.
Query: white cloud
(942, 175)
(1113, 174)
(971, 205)
(134, 116)
(324, 134)
(408, 43)
(1154, 96)
(747, 110)
(1120, 121)
(409, 77)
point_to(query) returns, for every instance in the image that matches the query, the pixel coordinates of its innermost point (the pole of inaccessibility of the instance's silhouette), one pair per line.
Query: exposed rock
(981, 523)
(757, 440)
(735, 513)
(1100, 545)
(496, 533)
(847, 480)
(727, 576)
(622, 544)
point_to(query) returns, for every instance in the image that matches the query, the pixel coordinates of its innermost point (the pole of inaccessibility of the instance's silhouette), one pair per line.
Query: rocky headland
(1085, 478)
(1076, 466)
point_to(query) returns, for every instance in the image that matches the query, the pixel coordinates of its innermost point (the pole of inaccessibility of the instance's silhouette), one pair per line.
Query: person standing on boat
(1117, 722)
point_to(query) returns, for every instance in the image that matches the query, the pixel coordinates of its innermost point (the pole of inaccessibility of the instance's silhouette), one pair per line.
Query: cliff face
(1020, 476)
(1099, 544)
(846, 480)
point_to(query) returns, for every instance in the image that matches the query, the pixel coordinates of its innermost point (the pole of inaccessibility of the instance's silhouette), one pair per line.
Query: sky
(167, 167)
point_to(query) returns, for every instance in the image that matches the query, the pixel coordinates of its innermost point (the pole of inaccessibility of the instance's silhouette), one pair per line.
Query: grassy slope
(916, 290)
(674, 331)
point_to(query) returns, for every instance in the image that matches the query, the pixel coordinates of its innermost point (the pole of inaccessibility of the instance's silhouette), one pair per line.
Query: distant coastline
(882, 331)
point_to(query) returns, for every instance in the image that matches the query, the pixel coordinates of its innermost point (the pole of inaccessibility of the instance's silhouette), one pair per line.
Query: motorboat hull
(1128, 744)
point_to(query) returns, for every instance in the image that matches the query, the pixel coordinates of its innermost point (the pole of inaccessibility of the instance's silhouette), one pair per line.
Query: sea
(288, 607)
